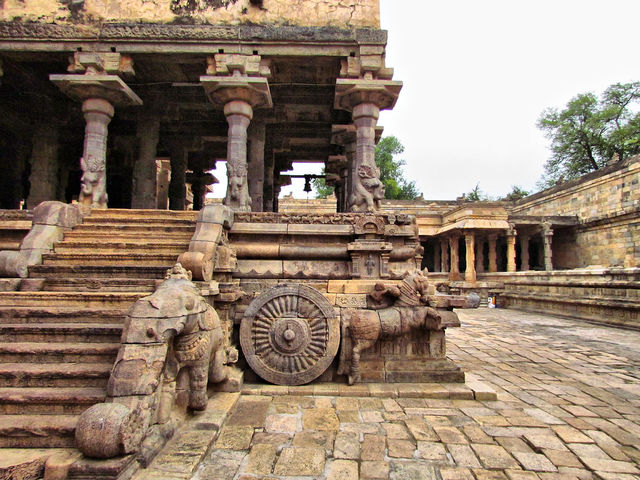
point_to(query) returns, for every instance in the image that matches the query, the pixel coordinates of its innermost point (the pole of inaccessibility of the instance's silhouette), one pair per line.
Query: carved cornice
(163, 32)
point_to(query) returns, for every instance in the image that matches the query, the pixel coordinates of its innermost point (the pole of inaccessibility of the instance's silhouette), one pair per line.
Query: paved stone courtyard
(568, 408)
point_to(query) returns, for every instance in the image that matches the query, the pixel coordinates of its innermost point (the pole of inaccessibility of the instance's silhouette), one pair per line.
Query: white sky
(477, 75)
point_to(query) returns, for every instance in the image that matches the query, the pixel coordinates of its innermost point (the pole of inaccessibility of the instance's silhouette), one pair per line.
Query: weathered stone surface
(413, 471)
(292, 322)
(322, 419)
(234, 438)
(261, 459)
(299, 461)
(343, 470)
(347, 446)
(13, 264)
(137, 369)
(108, 430)
(57, 213)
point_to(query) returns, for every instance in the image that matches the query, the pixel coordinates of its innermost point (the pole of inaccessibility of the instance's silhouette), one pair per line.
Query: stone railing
(51, 220)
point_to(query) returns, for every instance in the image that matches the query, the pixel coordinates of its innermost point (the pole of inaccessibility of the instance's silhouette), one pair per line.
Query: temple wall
(611, 191)
(607, 205)
(312, 13)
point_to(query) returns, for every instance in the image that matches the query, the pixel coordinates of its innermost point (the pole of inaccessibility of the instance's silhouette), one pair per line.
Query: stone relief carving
(395, 311)
(237, 190)
(93, 191)
(359, 220)
(368, 190)
(172, 334)
(290, 334)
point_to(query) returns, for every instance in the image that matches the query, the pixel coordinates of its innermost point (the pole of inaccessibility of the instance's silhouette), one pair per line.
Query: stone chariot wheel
(290, 334)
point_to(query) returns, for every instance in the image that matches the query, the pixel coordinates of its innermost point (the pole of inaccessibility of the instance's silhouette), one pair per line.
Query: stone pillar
(366, 188)
(44, 165)
(235, 81)
(470, 270)
(524, 252)
(144, 168)
(269, 183)
(177, 188)
(97, 114)
(511, 250)
(493, 252)
(547, 237)
(256, 136)
(454, 267)
(365, 97)
(238, 114)
(444, 255)
(99, 88)
(480, 256)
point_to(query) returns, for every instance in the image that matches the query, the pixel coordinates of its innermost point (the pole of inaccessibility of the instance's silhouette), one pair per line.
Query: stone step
(115, 221)
(151, 230)
(54, 352)
(94, 284)
(87, 333)
(58, 315)
(143, 213)
(78, 272)
(37, 431)
(52, 401)
(110, 246)
(117, 300)
(54, 374)
(94, 235)
(130, 259)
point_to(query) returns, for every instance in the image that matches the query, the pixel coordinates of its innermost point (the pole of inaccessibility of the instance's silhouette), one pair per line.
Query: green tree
(589, 131)
(516, 194)
(475, 195)
(321, 188)
(391, 174)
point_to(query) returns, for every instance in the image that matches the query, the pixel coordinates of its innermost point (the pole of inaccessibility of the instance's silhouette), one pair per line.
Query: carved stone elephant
(170, 331)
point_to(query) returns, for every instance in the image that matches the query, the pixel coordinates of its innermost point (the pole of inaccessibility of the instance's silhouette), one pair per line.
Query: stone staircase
(57, 345)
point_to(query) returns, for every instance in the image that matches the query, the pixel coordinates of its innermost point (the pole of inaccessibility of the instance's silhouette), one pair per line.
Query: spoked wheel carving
(290, 334)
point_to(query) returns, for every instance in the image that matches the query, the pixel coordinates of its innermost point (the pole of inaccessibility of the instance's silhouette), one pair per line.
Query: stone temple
(146, 332)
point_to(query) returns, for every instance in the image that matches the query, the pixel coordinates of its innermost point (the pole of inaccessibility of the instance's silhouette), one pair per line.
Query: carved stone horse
(395, 311)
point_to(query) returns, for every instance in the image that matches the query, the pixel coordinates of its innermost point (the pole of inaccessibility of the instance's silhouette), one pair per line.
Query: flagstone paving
(567, 408)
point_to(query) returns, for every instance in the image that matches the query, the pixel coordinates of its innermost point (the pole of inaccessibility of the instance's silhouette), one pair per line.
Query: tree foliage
(391, 174)
(475, 195)
(321, 188)
(516, 193)
(589, 131)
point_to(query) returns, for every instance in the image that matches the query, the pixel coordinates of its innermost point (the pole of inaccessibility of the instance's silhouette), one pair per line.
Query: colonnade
(238, 85)
(446, 253)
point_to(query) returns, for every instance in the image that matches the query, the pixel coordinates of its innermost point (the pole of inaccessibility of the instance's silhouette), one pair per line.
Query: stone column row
(449, 253)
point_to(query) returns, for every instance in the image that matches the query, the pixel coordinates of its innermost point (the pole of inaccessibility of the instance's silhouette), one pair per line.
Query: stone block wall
(607, 203)
(311, 13)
